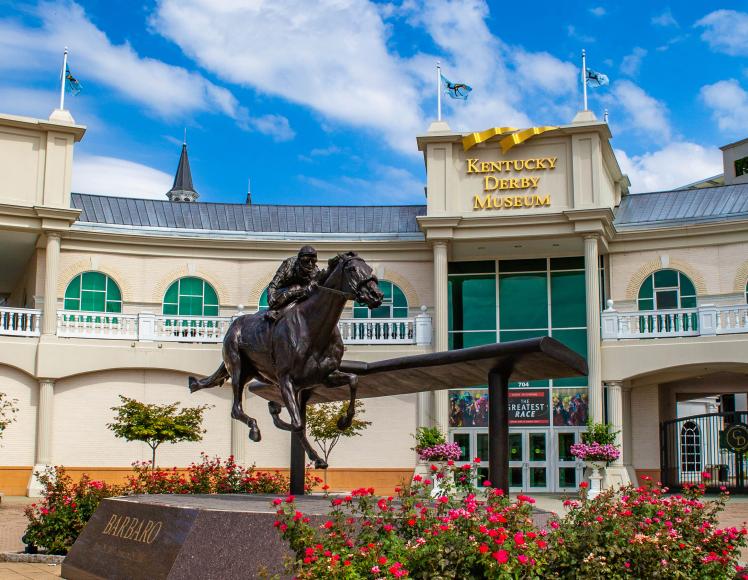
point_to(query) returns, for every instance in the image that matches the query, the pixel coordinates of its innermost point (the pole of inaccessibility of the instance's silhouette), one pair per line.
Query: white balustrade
(107, 325)
(20, 321)
(705, 320)
(190, 328)
(378, 330)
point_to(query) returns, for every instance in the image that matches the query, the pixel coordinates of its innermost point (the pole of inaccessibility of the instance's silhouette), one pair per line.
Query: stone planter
(596, 477)
(444, 486)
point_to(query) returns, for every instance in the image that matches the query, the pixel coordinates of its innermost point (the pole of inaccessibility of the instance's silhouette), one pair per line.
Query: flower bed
(58, 519)
(630, 533)
(595, 452)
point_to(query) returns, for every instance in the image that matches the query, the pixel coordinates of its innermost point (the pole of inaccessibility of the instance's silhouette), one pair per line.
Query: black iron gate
(710, 449)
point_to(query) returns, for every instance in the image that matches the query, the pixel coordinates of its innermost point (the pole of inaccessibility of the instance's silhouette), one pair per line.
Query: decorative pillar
(51, 271)
(592, 287)
(239, 437)
(628, 456)
(615, 413)
(43, 457)
(441, 339)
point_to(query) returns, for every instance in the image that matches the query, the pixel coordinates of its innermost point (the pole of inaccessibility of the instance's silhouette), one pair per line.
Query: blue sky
(320, 102)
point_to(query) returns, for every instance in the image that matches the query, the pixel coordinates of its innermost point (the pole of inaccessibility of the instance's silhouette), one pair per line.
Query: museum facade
(523, 233)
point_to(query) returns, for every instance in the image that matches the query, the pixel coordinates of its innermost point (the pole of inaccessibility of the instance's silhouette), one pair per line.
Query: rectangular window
(741, 166)
(524, 300)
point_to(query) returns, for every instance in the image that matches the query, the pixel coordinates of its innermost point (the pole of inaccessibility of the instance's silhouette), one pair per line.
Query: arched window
(690, 447)
(666, 290)
(191, 297)
(263, 304)
(394, 305)
(93, 292)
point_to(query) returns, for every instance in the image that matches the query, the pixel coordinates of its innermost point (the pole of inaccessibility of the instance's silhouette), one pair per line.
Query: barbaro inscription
(132, 528)
(492, 182)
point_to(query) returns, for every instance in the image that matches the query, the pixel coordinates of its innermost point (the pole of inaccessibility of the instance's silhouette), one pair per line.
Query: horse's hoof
(193, 384)
(344, 422)
(320, 464)
(274, 407)
(254, 434)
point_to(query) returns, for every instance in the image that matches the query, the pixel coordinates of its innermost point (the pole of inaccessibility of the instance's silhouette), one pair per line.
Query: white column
(51, 271)
(592, 286)
(628, 456)
(615, 413)
(441, 338)
(239, 437)
(43, 434)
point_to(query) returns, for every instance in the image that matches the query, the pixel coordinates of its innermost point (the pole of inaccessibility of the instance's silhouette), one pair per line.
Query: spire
(182, 190)
(249, 191)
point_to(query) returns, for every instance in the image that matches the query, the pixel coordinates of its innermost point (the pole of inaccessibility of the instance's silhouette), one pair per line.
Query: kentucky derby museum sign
(529, 407)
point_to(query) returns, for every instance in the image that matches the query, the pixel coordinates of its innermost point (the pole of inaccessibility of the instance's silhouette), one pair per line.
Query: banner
(529, 407)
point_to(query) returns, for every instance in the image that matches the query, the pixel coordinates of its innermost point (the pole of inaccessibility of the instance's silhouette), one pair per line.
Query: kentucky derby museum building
(523, 233)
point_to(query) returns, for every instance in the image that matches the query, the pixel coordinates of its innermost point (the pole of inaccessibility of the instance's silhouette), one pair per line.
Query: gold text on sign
(132, 528)
(504, 166)
(489, 201)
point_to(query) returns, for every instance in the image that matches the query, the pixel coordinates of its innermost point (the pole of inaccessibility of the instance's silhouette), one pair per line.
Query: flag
(596, 79)
(71, 83)
(455, 90)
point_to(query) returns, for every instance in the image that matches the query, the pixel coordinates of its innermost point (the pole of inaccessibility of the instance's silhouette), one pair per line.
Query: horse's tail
(214, 380)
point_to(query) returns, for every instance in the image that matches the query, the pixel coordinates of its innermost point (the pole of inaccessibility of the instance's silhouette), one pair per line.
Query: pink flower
(502, 556)
(486, 483)
(522, 559)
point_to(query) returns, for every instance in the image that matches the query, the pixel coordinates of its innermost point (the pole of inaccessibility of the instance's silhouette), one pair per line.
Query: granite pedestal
(184, 536)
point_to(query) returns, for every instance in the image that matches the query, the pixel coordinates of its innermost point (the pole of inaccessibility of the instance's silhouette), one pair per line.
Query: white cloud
(572, 32)
(167, 90)
(111, 176)
(676, 164)
(729, 104)
(643, 114)
(331, 56)
(726, 31)
(632, 62)
(276, 126)
(665, 19)
(598, 11)
(544, 72)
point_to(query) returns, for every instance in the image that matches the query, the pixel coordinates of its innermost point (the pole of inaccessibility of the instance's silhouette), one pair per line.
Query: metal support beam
(298, 455)
(498, 428)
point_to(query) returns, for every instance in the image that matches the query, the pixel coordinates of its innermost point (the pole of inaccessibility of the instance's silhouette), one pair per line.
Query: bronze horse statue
(300, 351)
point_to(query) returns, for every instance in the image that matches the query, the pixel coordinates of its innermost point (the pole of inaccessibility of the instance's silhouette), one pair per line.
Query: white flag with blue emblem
(596, 79)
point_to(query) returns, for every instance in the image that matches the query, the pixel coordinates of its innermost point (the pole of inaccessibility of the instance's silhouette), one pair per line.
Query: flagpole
(584, 77)
(62, 82)
(438, 91)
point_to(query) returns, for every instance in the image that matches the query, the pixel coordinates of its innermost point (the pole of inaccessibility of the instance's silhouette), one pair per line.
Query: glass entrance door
(528, 461)
(568, 468)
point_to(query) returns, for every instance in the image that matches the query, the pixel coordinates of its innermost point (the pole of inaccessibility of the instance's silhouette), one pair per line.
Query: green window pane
(190, 306)
(568, 305)
(666, 278)
(515, 477)
(113, 306)
(386, 289)
(482, 446)
(458, 340)
(576, 340)
(515, 446)
(210, 310)
(94, 281)
(210, 296)
(400, 313)
(112, 291)
(360, 312)
(479, 267)
(565, 441)
(688, 302)
(463, 440)
(523, 301)
(170, 309)
(398, 298)
(92, 301)
(567, 477)
(191, 286)
(645, 291)
(74, 288)
(450, 303)
(172, 294)
(666, 299)
(381, 312)
(646, 304)
(538, 265)
(473, 302)
(686, 286)
(72, 304)
(537, 446)
(567, 263)
(538, 477)
(264, 300)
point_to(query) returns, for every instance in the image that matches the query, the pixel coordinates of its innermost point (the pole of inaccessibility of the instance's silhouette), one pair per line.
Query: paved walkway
(13, 524)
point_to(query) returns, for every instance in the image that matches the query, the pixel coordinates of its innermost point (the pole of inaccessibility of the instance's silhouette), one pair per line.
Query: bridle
(354, 294)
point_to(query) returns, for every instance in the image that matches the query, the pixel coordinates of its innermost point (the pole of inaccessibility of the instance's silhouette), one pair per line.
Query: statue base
(152, 537)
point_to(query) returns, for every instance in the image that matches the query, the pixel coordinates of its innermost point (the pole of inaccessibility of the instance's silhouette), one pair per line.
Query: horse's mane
(333, 262)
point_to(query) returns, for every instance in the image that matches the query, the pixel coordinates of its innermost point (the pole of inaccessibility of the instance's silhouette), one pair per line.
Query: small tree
(156, 424)
(8, 410)
(322, 422)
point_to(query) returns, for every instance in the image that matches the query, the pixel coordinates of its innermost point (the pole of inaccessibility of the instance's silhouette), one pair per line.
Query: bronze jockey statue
(295, 280)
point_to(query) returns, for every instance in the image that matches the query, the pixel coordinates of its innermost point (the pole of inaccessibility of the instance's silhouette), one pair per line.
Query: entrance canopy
(526, 360)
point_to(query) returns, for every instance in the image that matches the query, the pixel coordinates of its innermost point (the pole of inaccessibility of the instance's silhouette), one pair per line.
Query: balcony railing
(706, 320)
(211, 329)
(20, 321)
